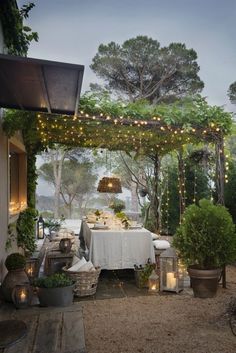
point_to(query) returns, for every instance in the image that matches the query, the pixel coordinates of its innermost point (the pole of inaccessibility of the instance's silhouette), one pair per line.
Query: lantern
(109, 184)
(22, 295)
(65, 245)
(153, 283)
(31, 268)
(170, 278)
(40, 228)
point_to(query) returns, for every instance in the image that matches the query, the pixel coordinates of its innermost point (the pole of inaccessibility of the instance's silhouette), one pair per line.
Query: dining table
(118, 248)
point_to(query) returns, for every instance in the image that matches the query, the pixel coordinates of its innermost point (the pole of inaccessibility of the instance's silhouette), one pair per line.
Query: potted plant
(117, 205)
(55, 290)
(142, 274)
(206, 241)
(15, 264)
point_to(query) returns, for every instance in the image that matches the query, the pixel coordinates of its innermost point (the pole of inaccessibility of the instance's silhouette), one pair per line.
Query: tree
(72, 178)
(77, 184)
(141, 69)
(232, 93)
(52, 171)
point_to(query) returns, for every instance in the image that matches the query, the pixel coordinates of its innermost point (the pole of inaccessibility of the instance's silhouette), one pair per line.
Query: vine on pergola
(152, 130)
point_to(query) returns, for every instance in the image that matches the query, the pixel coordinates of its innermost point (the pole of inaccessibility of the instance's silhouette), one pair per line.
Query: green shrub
(15, 261)
(206, 237)
(25, 228)
(117, 205)
(54, 281)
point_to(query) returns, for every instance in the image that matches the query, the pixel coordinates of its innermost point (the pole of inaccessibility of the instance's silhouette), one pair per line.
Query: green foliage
(26, 122)
(11, 235)
(144, 273)
(52, 224)
(25, 228)
(17, 37)
(117, 205)
(15, 261)
(140, 68)
(230, 190)
(54, 281)
(97, 213)
(232, 92)
(121, 215)
(206, 237)
(173, 203)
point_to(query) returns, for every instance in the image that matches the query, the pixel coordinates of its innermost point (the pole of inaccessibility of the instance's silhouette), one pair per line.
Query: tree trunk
(57, 162)
(134, 197)
(154, 199)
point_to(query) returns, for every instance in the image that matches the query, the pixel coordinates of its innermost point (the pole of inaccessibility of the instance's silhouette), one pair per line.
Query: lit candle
(154, 287)
(171, 280)
(22, 296)
(30, 271)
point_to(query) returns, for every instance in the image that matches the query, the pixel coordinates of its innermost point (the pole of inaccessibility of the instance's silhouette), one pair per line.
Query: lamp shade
(109, 184)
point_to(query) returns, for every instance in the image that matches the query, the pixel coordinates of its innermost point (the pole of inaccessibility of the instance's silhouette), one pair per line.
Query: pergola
(99, 122)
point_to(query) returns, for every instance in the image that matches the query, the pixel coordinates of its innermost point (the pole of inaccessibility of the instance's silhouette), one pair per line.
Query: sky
(71, 31)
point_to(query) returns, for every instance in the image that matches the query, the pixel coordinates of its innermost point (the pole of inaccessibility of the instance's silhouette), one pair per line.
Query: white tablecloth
(118, 249)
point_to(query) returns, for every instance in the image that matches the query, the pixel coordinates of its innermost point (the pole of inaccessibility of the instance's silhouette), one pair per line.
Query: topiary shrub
(15, 261)
(206, 238)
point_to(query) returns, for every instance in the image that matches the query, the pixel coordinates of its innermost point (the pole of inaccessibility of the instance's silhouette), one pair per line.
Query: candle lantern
(170, 278)
(153, 283)
(65, 245)
(31, 268)
(40, 228)
(22, 295)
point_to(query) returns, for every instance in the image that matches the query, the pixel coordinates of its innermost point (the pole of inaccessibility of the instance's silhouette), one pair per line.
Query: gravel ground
(161, 324)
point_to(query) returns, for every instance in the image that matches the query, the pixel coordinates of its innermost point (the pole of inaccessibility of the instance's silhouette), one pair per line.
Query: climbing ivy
(25, 228)
(17, 37)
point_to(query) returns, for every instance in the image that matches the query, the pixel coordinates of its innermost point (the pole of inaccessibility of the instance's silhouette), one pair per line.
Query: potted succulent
(15, 264)
(206, 241)
(55, 290)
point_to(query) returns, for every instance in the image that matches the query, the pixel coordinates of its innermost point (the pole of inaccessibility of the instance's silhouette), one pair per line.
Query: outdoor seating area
(117, 178)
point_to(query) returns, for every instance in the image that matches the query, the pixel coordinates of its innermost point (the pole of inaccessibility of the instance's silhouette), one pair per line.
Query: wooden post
(220, 182)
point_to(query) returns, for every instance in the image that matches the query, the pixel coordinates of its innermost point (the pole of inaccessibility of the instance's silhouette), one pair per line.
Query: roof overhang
(40, 85)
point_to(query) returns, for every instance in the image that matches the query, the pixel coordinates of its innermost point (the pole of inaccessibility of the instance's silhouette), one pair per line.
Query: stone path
(50, 330)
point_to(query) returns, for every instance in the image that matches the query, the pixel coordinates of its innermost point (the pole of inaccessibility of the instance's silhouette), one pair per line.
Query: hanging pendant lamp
(109, 184)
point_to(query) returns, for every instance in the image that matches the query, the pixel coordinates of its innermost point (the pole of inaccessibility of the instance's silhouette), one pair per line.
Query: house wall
(5, 218)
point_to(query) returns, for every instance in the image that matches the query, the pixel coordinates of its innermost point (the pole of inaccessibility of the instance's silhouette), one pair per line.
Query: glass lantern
(31, 268)
(40, 228)
(153, 283)
(65, 245)
(22, 295)
(170, 278)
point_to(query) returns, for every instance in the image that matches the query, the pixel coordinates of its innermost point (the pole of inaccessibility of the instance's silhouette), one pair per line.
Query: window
(17, 180)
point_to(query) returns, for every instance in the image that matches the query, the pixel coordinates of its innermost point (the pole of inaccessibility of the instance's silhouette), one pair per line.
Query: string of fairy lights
(88, 131)
(128, 134)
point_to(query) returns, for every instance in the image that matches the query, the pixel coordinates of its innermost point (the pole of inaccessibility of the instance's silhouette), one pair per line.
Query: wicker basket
(85, 282)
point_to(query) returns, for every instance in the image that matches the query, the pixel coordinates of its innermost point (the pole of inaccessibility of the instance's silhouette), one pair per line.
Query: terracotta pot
(204, 282)
(13, 278)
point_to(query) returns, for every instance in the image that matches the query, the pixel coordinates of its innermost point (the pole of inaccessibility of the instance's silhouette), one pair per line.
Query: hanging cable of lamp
(109, 184)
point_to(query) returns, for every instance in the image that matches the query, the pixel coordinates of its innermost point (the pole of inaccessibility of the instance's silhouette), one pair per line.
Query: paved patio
(50, 330)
